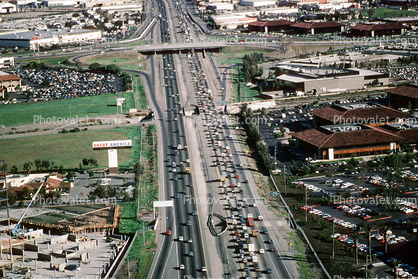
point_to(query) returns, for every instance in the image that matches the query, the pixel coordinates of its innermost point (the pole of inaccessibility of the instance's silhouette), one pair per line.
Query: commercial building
(315, 80)
(344, 141)
(312, 28)
(405, 96)
(220, 7)
(270, 26)
(358, 113)
(408, 130)
(10, 83)
(231, 21)
(258, 3)
(376, 30)
(36, 39)
(62, 3)
(7, 8)
(7, 62)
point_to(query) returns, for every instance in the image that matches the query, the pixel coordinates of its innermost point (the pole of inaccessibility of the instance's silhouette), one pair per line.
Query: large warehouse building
(35, 39)
(308, 79)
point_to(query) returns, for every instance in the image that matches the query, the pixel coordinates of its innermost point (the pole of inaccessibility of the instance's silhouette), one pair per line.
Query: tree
(13, 169)
(28, 166)
(385, 229)
(46, 83)
(45, 164)
(91, 173)
(26, 193)
(395, 263)
(79, 65)
(70, 175)
(12, 198)
(356, 237)
(368, 228)
(38, 164)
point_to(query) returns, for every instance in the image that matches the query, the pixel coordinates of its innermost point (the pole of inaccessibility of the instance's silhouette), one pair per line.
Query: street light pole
(306, 204)
(333, 242)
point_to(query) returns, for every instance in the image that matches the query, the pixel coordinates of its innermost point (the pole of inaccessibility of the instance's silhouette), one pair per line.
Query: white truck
(254, 259)
(251, 247)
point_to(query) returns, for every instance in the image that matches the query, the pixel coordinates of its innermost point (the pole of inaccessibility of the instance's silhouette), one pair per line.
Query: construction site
(65, 241)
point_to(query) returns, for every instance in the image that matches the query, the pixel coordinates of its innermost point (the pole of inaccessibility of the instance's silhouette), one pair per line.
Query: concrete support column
(331, 153)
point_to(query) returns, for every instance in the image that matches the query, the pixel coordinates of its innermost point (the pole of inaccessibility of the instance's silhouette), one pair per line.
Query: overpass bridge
(180, 47)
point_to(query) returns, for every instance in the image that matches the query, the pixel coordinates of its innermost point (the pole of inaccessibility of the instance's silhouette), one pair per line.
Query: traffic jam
(239, 205)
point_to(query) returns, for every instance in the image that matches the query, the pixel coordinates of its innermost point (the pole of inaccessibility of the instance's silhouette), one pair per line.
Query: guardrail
(294, 225)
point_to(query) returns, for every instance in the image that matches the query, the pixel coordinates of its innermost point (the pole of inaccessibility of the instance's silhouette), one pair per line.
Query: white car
(261, 251)
(182, 266)
(203, 268)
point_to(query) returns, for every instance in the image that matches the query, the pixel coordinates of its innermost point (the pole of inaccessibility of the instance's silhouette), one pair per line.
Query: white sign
(120, 101)
(112, 144)
(134, 110)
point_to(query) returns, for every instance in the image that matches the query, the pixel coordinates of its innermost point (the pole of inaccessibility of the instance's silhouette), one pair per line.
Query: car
(270, 241)
(260, 277)
(190, 240)
(203, 268)
(182, 266)
(176, 196)
(191, 254)
(181, 238)
(266, 232)
(274, 249)
(188, 223)
(261, 251)
(257, 269)
(260, 218)
(268, 270)
(194, 213)
(168, 232)
(245, 268)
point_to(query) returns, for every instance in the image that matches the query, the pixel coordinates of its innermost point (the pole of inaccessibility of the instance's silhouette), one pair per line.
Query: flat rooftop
(28, 35)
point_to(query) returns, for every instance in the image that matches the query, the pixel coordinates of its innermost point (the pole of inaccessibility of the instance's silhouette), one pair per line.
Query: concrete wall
(339, 84)
(44, 257)
(72, 237)
(86, 245)
(17, 251)
(31, 247)
(36, 233)
(59, 239)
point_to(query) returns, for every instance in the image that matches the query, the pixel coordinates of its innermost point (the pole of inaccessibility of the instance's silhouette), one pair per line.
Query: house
(10, 83)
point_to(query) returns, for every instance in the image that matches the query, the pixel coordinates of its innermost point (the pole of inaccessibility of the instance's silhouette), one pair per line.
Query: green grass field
(386, 12)
(67, 149)
(141, 100)
(26, 113)
(245, 94)
(140, 256)
(232, 55)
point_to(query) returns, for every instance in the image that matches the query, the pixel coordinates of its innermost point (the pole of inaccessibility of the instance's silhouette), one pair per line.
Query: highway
(174, 260)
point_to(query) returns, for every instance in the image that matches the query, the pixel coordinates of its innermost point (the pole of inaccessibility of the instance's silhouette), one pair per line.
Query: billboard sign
(112, 144)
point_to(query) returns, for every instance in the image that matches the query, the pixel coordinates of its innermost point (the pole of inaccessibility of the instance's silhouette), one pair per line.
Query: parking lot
(65, 84)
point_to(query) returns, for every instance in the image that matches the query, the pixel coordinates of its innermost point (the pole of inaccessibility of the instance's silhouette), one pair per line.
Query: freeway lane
(178, 181)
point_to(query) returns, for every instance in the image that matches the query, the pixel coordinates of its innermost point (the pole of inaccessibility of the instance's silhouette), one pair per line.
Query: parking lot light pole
(333, 242)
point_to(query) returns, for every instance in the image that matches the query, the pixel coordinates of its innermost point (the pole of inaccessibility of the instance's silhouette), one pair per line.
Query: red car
(168, 232)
